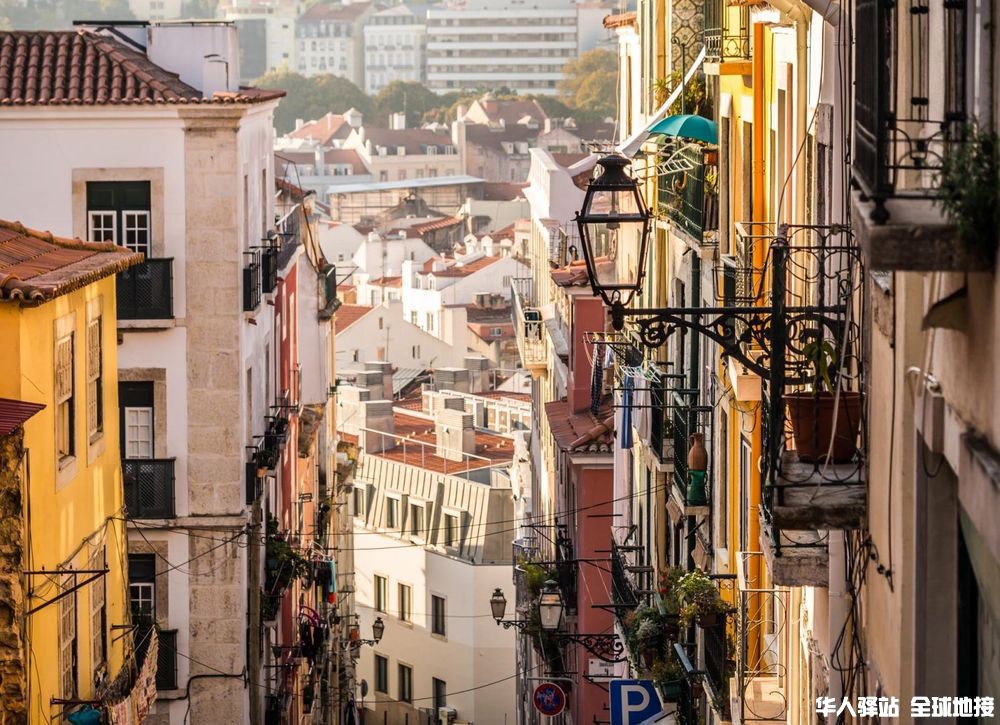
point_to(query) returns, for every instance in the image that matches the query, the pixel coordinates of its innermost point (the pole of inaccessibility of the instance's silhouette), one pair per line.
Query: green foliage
(413, 98)
(699, 597)
(195, 9)
(696, 100)
(969, 186)
(536, 575)
(821, 355)
(312, 98)
(60, 14)
(590, 84)
(284, 563)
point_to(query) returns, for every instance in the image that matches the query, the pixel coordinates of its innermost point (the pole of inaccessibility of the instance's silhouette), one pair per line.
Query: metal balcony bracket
(607, 647)
(91, 575)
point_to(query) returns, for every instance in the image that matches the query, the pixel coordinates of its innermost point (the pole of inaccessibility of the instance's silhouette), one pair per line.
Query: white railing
(420, 453)
(528, 326)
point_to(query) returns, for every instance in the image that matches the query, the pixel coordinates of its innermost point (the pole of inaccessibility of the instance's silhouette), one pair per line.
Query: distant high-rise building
(508, 43)
(267, 34)
(395, 42)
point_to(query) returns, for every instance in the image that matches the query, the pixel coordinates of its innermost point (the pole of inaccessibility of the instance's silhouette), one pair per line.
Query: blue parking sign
(633, 701)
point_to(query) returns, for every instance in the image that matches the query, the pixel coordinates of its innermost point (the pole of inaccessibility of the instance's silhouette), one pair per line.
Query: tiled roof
(466, 269)
(78, 67)
(593, 131)
(574, 274)
(582, 432)
(495, 448)
(329, 11)
(507, 395)
(13, 414)
(502, 190)
(347, 315)
(348, 157)
(38, 266)
(413, 139)
(494, 136)
(436, 224)
(476, 313)
(620, 20)
(329, 127)
(386, 282)
(512, 111)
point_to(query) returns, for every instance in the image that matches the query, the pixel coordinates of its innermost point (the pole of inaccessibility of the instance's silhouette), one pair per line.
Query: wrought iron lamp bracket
(607, 647)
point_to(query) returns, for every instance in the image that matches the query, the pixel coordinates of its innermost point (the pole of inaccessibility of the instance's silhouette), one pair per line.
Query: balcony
(252, 280)
(727, 38)
(631, 578)
(910, 109)
(149, 487)
(145, 292)
(758, 692)
(689, 489)
(687, 191)
(528, 326)
(166, 660)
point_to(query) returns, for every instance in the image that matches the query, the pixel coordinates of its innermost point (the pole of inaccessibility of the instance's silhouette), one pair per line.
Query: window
(95, 388)
(64, 397)
(68, 644)
(450, 530)
(416, 352)
(405, 602)
(98, 614)
(383, 176)
(381, 674)
(723, 478)
(136, 419)
(119, 212)
(416, 520)
(142, 586)
(746, 454)
(405, 683)
(381, 593)
(496, 331)
(391, 512)
(379, 323)
(437, 615)
(440, 688)
(359, 502)
(413, 317)
(506, 281)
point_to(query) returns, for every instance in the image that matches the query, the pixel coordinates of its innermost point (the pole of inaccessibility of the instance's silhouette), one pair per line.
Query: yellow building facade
(58, 326)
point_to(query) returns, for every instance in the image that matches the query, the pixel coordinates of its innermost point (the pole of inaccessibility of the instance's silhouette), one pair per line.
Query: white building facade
(395, 42)
(267, 33)
(329, 39)
(506, 43)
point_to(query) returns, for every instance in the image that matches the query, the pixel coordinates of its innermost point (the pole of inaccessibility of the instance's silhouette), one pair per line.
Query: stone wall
(13, 683)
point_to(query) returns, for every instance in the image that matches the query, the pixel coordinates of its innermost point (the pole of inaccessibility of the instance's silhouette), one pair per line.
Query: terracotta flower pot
(812, 421)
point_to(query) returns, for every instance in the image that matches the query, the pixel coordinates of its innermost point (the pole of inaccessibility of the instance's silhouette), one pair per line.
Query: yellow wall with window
(73, 504)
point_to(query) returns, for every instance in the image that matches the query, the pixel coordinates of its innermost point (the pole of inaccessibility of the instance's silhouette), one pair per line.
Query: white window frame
(65, 395)
(95, 369)
(92, 226)
(134, 444)
(376, 578)
(126, 228)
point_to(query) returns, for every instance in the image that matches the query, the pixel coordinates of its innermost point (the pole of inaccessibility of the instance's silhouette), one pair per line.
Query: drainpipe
(838, 609)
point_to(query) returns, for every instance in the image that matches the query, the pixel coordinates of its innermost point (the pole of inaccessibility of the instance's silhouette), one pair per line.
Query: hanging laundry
(626, 428)
(597, 382)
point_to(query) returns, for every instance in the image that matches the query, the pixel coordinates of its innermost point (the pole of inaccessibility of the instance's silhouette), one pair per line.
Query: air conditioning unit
(447, 714)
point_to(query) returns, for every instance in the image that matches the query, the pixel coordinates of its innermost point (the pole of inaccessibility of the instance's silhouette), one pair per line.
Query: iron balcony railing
(718, 652)
(289, 232)
(149, 487)
(727, 32)
(528, 326)
(762, 641)
(688, 194)
(631, 578)
(145, 292)
(901, 128)
(252, 280)
(687, 419)
(268, 269)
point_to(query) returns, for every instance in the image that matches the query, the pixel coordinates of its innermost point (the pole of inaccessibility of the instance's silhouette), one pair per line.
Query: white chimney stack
(455, 434)
(397, 121)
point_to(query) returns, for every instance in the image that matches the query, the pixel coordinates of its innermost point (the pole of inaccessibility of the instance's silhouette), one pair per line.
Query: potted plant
(969, 185)
(669, 677)
(700, 600)
(811, 413)
(648, 635)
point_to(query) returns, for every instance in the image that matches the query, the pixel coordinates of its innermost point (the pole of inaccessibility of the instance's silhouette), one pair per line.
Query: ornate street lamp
(498, 604)
(550, 607)
(612, 204)
(378, 629)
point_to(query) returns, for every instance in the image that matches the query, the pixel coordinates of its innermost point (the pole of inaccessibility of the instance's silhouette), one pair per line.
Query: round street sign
(549, 699)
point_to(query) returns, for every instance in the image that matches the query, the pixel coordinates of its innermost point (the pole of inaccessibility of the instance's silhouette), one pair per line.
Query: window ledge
(140, 325)
(916, 238)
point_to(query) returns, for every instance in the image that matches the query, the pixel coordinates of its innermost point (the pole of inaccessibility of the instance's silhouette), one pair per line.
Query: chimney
(299, 123)
(432, 402)
(456, 379)
(353, 117)
(455, 434)
(214, 75)
(397, 121)
(378, 418)
(479, 373)
(385, 368)
(349, 400)
(371, 379)
(548, 125)
(319, 160)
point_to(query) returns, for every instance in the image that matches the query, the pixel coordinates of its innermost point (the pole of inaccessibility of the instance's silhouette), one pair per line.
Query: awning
(631, 145)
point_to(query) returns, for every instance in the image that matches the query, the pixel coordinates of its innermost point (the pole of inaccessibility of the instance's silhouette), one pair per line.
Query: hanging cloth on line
(626, 432)
(597, 382)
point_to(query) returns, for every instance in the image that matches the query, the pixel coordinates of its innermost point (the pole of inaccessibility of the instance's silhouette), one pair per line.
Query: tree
(590, 84)
(311, 98)
(410, 97)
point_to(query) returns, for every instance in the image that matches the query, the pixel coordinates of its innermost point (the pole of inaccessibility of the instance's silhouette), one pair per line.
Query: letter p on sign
(633, 702)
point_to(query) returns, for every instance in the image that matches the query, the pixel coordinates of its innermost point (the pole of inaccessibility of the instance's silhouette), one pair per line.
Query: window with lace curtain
(64, 397)
(95, 387)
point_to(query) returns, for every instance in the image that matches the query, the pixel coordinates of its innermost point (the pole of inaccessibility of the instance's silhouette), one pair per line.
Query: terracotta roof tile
(79, 67)
(512, 111)
(325, 129)
(386, 282)
(468, 268)
(347, 315)
(582, 432)
(502, 190)
(496, 449)
(574, 274)
(620, 20)
(13, 414)
(413, 139)
(38, 266)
